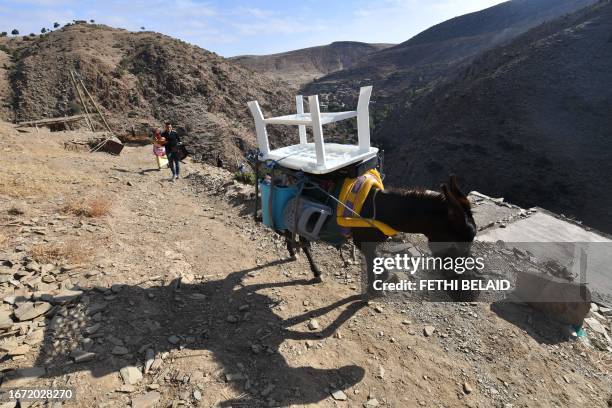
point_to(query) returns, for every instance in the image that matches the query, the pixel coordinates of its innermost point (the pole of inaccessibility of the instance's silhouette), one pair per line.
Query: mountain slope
(303, 65)
(431, 56)
(140, 80)
(529, 121)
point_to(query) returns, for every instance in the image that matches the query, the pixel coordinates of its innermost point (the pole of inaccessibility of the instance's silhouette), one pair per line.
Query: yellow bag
(353, 194)
(162, 161)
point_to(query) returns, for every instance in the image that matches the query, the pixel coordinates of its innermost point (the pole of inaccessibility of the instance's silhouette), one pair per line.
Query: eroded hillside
(530, 121)
(139, 80)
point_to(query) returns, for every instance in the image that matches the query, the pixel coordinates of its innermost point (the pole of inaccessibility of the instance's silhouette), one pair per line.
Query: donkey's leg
(369, 253)
(344, 260)
(366, 240)
(290, 248)
(305, 244)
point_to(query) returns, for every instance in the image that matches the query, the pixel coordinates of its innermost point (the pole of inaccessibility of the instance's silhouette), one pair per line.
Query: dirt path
(177, 269)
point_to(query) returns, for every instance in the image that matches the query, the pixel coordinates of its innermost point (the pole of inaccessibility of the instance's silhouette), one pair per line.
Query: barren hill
(529, 121)
(421, 62)
(300, 66)
(139, 80)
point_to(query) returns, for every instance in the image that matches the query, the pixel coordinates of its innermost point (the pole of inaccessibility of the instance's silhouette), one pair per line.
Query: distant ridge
(431, 56)
(304, 65)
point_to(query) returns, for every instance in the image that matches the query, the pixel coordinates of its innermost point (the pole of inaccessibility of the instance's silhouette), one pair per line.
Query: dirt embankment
(134, 289)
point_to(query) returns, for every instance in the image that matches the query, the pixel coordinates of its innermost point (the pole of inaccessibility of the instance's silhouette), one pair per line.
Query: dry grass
(97, 206)
(71, 252)
(31, 177)
(3, 240)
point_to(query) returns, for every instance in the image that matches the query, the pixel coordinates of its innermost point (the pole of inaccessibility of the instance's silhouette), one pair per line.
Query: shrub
(246, 178)
(94, 207)
(3, 34)
(118, 71)
(72, 252)
(75, 107)
(56, 25)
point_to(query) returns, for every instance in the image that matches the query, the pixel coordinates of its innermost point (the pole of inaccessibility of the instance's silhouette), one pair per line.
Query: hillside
(435, 54)
(300, 66)
(139, 80)
(529, 121)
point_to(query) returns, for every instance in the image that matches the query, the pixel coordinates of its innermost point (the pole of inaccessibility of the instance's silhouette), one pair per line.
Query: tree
(3, 34)
(43, 30)
(55, 25)
(92, 21)
(142, 28)
(32, 35)
(15, 31)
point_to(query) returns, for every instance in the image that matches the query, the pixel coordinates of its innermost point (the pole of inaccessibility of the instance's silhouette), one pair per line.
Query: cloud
(284, 25)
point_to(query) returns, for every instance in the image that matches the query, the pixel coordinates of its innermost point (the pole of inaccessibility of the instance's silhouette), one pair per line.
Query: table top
(303, 157)
(306, 118)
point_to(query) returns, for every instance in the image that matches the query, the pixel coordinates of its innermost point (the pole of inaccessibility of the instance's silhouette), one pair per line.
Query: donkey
(444, 218)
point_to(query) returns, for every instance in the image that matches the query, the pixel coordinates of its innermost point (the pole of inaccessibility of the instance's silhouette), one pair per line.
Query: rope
(368, 220)
(374, 203)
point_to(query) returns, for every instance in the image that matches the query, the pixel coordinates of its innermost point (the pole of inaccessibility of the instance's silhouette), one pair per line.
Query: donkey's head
(457, 229)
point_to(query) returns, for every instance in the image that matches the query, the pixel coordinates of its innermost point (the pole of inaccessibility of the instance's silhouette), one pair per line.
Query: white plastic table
(318, 157)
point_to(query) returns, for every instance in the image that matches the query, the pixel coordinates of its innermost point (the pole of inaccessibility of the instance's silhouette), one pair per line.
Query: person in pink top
(159, 150)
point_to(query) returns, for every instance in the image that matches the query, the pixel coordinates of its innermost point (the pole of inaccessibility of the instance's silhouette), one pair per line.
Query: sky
(237, 27)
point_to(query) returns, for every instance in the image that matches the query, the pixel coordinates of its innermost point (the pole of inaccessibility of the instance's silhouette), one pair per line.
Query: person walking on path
(159, 150)
(172, 145)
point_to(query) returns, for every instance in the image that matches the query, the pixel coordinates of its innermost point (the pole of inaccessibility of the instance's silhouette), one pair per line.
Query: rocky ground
(136, 290)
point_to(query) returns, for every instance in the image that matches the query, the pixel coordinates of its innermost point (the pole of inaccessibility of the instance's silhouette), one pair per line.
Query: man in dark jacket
(172, 145)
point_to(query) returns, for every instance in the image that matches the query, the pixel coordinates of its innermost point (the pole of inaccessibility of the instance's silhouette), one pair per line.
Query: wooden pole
(95, 105)
(76, 86)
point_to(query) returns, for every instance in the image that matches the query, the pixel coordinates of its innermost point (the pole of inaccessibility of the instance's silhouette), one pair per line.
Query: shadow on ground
(229, 318)
(536, 324)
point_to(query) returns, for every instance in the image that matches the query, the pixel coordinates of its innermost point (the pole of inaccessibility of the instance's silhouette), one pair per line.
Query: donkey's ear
(461, 197)
(454, 186)
(456, 214)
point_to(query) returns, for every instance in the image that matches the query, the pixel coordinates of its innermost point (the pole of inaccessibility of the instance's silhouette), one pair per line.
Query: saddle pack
(320, 207)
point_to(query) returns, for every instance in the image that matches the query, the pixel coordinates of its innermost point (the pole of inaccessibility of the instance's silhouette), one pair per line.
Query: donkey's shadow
(228, 317)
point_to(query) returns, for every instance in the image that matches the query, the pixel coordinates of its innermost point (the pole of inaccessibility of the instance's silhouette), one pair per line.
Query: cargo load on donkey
(331, 192)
